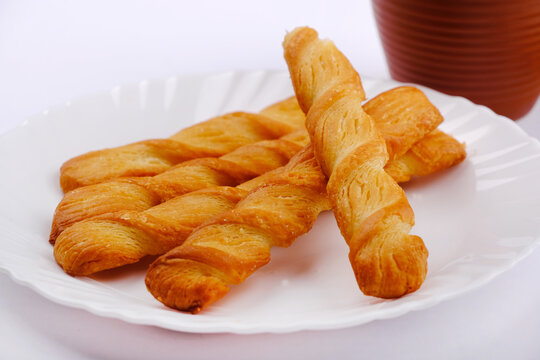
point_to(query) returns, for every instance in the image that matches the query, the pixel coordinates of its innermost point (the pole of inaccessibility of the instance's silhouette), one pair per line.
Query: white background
(53, 51)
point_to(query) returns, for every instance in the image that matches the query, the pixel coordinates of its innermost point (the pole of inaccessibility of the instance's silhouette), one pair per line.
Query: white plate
(477, 219)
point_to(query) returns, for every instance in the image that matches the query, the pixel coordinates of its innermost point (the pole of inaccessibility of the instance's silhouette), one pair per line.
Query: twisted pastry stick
(124, 237)
(235, 243)
(141, 193)
(390, 110)
(211, 138)
(371, 210)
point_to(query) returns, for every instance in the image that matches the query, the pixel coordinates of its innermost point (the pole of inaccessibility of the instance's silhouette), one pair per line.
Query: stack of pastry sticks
(214, 198)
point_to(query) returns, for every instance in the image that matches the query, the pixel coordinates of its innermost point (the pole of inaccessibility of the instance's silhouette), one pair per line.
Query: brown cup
(485, 50)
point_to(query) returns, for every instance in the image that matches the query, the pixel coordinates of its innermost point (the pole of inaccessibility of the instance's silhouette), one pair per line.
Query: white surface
(477, 219)
(52, 51)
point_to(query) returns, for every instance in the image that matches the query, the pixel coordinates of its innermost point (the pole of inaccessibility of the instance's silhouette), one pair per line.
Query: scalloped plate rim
(239, 328)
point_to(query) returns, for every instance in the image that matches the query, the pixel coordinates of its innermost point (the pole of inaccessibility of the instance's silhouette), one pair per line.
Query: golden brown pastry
(403, 110)
(435, 152)
(211, 138)
(124, 237)
(81, 249)
(371, 210)
(235, 243)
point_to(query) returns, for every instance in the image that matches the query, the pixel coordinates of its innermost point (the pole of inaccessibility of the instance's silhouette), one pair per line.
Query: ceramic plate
(477, 219)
